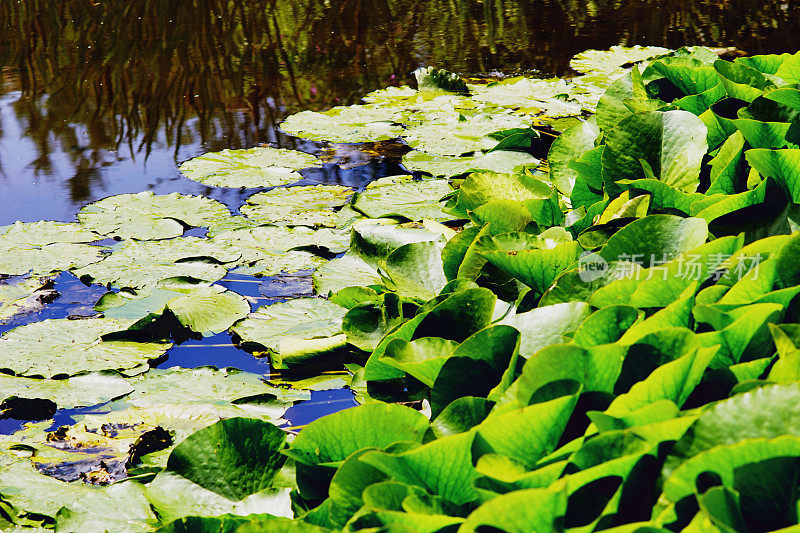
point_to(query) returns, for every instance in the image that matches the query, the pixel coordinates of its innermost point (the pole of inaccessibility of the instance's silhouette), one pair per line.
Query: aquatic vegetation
(602, 340)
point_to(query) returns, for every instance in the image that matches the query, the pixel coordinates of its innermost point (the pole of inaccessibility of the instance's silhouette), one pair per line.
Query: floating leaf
(137, 264)
(65, 347)
(254, 167)
(297, 206)
(148, 216)
(414, 200)
(499, 161)
(294, 331)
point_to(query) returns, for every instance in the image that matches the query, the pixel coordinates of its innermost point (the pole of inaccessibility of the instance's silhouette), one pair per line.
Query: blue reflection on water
(324, 402)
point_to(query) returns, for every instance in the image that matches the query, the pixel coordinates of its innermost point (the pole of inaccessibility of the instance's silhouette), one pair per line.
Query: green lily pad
(204, 309)
(66, 347)
(148, 216)
(457, 137)
(46, 232)
(294, 331)
(77, 391)
(360, 124)
(48, 259)
(202, 385)
(254, 167)
(499, 161)
(297, 206)
(235, 458)
(373, 425)
(614, 62)
(667, 145)
(263, 246)
(347, 271)
(143, 264)
(413, 200)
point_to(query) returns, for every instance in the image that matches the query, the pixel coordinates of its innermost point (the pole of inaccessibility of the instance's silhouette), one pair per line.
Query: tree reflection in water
(89, 90)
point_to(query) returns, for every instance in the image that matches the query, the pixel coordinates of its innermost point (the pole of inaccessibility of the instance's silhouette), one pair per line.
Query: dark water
(104, 98)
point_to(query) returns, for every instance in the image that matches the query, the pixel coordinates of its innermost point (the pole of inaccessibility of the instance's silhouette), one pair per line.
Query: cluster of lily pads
(603, 341)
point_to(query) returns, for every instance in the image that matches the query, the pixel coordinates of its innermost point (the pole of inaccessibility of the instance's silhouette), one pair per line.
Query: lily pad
(614, 62)
(499, 161)
(413, 200)
(254, 167)
(144, 264)
(56, 347)
(202, 385)
(297, 206)
(148, 216)
(294, 331)
(77, 391)
(348, 128)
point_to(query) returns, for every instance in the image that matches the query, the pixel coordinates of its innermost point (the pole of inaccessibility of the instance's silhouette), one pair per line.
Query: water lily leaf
(413, 200)
(421, 358)
(536, 268)
(342, 272)
(525, 435)
(673, 381)
(254, 167)
(295, 330)
(726, 171)
(774, 408)
(672, 143)
(45, 232)
(17, 259)
(455, 137)
(297, 206)
(782, 165)
(208, 310)
(742, 81)
(596, 369)
(615, 61)
(148, 216)
(139, 265)
(66, 347)
(204, 309)
(360, 124)
(77, 391)
(461, 415)
(723, 460)
(443, 467)
(482, 187)
(122, 507)
(520, 511)
(235, 457)
(231, 523)
(547, 325)
(263, 246)
(50, 495)
(366, 323)
(415, 270)
(203, 385)
(655, 239)
(569, 146)
(175, 497)
(500, 161)
(606, 325)
(375, 425)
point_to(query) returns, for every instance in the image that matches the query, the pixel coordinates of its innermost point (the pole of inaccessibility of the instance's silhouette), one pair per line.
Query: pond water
(99, 99)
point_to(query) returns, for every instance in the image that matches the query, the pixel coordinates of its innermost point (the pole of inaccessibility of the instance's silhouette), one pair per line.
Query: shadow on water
(103, 98)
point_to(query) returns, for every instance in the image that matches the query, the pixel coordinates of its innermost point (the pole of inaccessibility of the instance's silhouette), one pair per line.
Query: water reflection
(101, 98)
